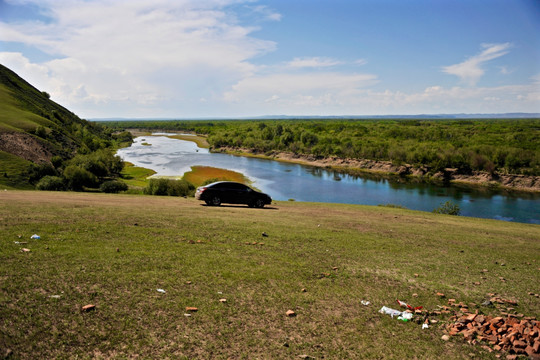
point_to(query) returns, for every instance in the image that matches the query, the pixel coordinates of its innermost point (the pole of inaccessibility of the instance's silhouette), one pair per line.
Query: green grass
(12, 169)
(134, 176)
(14, 118)
(115, 251)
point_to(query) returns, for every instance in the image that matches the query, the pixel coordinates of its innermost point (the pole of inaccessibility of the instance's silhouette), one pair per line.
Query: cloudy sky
(228, 58)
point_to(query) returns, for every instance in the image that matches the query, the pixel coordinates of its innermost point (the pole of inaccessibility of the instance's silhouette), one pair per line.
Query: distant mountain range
(284, 117)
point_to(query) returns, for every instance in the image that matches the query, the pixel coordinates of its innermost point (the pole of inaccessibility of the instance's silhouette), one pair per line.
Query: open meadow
(243, 269)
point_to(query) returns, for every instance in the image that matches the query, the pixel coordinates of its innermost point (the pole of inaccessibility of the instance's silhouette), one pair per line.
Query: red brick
(468, 334)
(88, 307)
(290, 313)
(530, 351)
(519, 344)
(536, 346)
(497, 348)
(471, 317)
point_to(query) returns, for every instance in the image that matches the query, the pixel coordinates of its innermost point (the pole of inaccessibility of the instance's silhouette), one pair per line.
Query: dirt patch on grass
(25, 146)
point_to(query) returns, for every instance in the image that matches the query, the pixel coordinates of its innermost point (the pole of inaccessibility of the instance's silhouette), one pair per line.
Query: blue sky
(227, 58)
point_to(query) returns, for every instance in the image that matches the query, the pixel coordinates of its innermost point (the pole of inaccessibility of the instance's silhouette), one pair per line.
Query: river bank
(511, 182)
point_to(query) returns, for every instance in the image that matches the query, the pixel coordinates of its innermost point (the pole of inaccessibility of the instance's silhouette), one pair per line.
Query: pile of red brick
(511, 334)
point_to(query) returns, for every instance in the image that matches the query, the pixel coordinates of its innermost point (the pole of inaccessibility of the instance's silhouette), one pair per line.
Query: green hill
(36, 130)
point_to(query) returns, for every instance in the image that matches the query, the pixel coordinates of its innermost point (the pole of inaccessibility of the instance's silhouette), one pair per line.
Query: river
(284, 181)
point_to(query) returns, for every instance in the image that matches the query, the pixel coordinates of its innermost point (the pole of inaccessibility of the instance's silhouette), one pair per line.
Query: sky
(242, 58)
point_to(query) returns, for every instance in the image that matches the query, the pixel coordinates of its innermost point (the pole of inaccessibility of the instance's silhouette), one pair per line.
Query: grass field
(319, 260)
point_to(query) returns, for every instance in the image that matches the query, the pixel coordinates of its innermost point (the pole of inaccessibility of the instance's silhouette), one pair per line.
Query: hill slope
(34, 129)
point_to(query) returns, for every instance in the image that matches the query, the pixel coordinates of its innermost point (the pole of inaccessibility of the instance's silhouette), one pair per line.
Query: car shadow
(240, 207)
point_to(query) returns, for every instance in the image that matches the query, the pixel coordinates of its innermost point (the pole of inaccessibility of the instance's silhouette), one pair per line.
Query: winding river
(284, 181)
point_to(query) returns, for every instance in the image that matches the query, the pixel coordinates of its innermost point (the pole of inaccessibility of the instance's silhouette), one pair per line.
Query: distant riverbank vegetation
(507, 146)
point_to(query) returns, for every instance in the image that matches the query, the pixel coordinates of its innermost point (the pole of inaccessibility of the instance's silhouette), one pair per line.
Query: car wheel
(215, 201)
(259, 203)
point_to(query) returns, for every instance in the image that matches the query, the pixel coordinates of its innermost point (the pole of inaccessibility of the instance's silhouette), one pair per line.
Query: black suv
(231, 193)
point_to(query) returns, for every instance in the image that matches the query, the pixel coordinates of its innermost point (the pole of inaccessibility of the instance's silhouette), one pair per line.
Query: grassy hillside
(319, 260)
(34, 129)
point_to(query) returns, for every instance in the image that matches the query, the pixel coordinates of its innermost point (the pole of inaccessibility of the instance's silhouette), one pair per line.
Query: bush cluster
(98, 169)
(169, 187)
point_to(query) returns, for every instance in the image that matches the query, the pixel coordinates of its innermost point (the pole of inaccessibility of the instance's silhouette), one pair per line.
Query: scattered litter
(405, 316)
(405, 305)
(220, 292)
(445, 337)
(401, 315)
(35, 236)
(223, 301)
(191, 309)
(264, 234)
(55, 296)
(364, 302)
(25, 250)
(87, 308)
(390, 311)
(306, 357)
(161, 291)
(20, 242)
(290, 313)
(187, 315)
(425, 326)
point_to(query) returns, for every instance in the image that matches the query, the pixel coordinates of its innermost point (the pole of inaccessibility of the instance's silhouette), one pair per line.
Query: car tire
(259, 203)
(215, 201)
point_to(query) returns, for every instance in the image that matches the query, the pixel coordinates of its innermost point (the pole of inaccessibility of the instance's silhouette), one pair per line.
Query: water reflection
(285, 181)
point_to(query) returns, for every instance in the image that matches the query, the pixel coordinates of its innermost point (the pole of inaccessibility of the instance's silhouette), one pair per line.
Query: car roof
(224, 182)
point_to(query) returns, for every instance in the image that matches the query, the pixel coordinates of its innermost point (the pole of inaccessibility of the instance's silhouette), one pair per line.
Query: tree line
(496, 146)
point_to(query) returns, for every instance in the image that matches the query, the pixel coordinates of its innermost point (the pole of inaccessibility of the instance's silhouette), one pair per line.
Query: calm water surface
(282, 181)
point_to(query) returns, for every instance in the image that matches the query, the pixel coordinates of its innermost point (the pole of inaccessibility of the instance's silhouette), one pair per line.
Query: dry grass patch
(199, 174)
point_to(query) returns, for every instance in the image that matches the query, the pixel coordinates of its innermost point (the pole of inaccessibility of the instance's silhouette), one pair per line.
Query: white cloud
(266, 12)
(313, 62)
(361, 62)
(340, 94)
(291, 88)
(470, 71)
(135, 52)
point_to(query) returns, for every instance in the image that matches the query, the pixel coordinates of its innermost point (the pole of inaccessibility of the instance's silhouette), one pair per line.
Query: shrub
(51, 183)
(113, 186)
(169, 187)
(37, 171)
(179, 188)
(77, 178)
(448, 208)
(156, 187)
